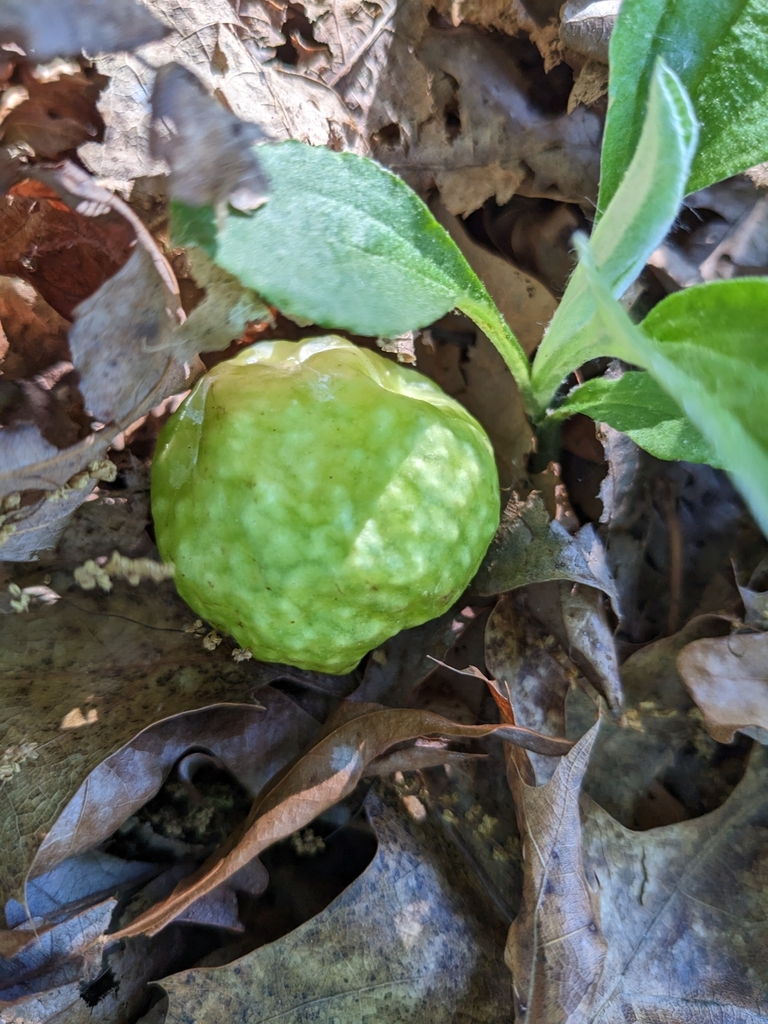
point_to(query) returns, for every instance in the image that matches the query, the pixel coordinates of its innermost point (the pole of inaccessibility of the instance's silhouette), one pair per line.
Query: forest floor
(137, 743)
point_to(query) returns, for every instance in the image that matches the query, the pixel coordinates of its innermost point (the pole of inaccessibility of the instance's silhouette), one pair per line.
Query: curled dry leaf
(532, 548)
(754, 595)
(587, 26)
(64, 955)
(577, 617)
(531, 672)
(188, 126)
(728, 678)
(415, 930)
(356, 735)
(84, 677)
(555, 948)
(61, 28)
(58, 115)
(36, 527)
(119, 340)
(555, 157)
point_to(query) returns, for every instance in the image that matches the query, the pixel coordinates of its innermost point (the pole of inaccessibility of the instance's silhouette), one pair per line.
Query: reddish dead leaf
(66, 257)
(728, 678)
(317, 781)
(35, 333)
(57, 116)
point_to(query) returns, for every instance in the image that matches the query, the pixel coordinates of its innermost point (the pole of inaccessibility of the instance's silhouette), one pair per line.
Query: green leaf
(343, 243)
(637, 406)
(720, 52)
(639, 216)
(706, 346)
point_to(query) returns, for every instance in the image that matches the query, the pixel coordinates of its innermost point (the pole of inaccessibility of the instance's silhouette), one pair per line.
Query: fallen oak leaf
(356, 735)
(415, 937)
(684, 911)
(555, 948)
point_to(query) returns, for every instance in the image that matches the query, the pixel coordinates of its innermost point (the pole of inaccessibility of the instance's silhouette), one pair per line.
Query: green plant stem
(484, 313)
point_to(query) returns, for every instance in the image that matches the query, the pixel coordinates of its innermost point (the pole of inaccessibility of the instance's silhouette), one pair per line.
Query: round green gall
(316, 499)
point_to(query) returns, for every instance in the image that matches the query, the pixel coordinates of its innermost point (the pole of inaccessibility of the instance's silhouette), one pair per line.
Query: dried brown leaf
(577, 617)
(57, 116)
(356, 735)
(555, 948)
(531, 669)
(525, 303)
(211, 40)
(82, 678)
(36, 335)
(684, 909)
(65, 256)
(728, 678)
(499, 126)
(415, 936)
(587, 25)
(659, 721)
(118, 340)
(532, 548)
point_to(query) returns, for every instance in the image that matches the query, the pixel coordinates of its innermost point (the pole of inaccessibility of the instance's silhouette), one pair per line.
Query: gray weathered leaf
(412, 932)
(531, 548)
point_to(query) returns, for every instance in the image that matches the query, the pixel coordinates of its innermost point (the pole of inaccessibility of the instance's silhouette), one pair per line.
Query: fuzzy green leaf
(707, 347)
(720, 52)
(640, 215)
(343, 243)
(637, 406)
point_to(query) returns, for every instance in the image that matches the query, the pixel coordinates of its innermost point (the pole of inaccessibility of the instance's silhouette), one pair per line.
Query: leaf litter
(530, 863)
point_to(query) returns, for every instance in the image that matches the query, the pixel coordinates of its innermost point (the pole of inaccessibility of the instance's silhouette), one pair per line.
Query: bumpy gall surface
(316, 498)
